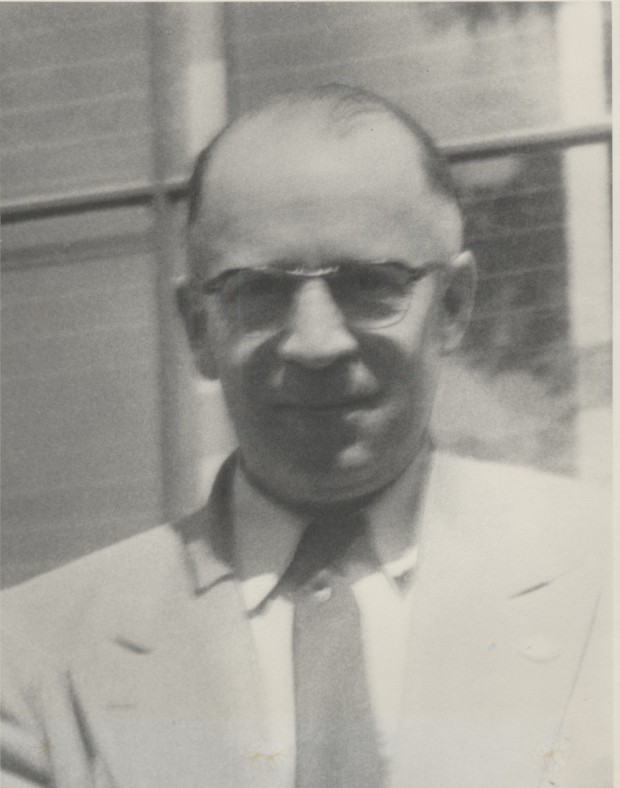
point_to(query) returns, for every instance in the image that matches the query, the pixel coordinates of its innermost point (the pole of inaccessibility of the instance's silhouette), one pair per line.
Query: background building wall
(80, 400)
(105, 427)
(466, 68)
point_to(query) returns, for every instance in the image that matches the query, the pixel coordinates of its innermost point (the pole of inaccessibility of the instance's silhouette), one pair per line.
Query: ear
(458, 299)
(192, 309)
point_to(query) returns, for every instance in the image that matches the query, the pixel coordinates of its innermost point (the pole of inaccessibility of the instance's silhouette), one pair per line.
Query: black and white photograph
(306, 386)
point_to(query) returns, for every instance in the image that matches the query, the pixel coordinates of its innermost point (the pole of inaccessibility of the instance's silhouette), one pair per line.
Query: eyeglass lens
(368, 295)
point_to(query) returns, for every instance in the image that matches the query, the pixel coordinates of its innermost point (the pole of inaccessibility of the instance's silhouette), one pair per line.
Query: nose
(316, 332)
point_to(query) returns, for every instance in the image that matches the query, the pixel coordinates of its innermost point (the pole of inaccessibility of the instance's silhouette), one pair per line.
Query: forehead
(287, 186)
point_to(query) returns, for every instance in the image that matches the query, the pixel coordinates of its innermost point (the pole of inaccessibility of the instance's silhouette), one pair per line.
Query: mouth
(329, 406)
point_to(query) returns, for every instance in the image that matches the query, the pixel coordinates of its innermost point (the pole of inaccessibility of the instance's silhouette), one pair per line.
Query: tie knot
(324, 545)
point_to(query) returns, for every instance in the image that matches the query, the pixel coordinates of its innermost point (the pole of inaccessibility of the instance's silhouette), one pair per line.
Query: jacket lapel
(169, 695)
(493, 659)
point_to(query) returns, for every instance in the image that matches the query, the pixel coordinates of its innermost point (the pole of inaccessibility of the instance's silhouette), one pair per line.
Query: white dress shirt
(266, 537)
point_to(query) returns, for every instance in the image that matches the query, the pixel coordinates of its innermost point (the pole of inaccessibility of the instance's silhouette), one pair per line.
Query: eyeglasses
(368, 294)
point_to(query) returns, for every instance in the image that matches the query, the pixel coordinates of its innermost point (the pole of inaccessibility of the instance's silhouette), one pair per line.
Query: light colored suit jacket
(130, 669)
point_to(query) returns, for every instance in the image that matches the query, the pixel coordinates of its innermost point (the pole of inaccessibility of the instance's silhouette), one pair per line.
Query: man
(349, 609)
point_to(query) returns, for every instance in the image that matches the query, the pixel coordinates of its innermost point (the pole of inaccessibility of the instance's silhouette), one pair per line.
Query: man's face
(325, 411)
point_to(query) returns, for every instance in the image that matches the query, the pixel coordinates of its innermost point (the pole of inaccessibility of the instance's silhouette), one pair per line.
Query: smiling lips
(350, 403)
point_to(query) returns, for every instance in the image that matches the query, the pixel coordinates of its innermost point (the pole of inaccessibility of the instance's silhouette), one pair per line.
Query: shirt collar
(266, 534)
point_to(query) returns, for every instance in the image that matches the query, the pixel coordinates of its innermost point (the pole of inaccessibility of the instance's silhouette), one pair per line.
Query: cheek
(405, 354)
(245, 367)
(235, 351)
(407, 361)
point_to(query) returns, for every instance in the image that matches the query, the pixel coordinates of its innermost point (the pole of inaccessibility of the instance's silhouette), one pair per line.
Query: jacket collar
(208, 538)
(447, 513)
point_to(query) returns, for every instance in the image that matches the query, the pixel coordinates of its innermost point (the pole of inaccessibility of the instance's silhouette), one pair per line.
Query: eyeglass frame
(214, 285)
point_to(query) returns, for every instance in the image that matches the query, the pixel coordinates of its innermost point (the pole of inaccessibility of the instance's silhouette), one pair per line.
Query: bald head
(331, 112)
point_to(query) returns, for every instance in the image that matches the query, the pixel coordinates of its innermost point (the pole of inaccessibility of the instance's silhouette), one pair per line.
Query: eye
(250, 286)
(370, 279)
(378, 281)
(256, 284)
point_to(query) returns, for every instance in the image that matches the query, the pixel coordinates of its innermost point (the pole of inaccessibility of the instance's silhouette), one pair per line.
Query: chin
(353, 473)
(331, 465)
(356, 458)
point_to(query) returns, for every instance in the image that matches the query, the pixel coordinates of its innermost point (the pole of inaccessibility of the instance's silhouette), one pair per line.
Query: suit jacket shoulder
(55, 608)
(528, 521)
(49, 616)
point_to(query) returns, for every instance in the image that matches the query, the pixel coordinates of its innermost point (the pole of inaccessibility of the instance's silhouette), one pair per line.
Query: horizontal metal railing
(486, 147)
(528, 141)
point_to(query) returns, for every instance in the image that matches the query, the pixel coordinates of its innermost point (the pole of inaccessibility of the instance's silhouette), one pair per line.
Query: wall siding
(80, 388)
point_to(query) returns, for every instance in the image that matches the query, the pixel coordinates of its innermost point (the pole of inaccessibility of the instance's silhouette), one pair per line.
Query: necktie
(335, 733)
